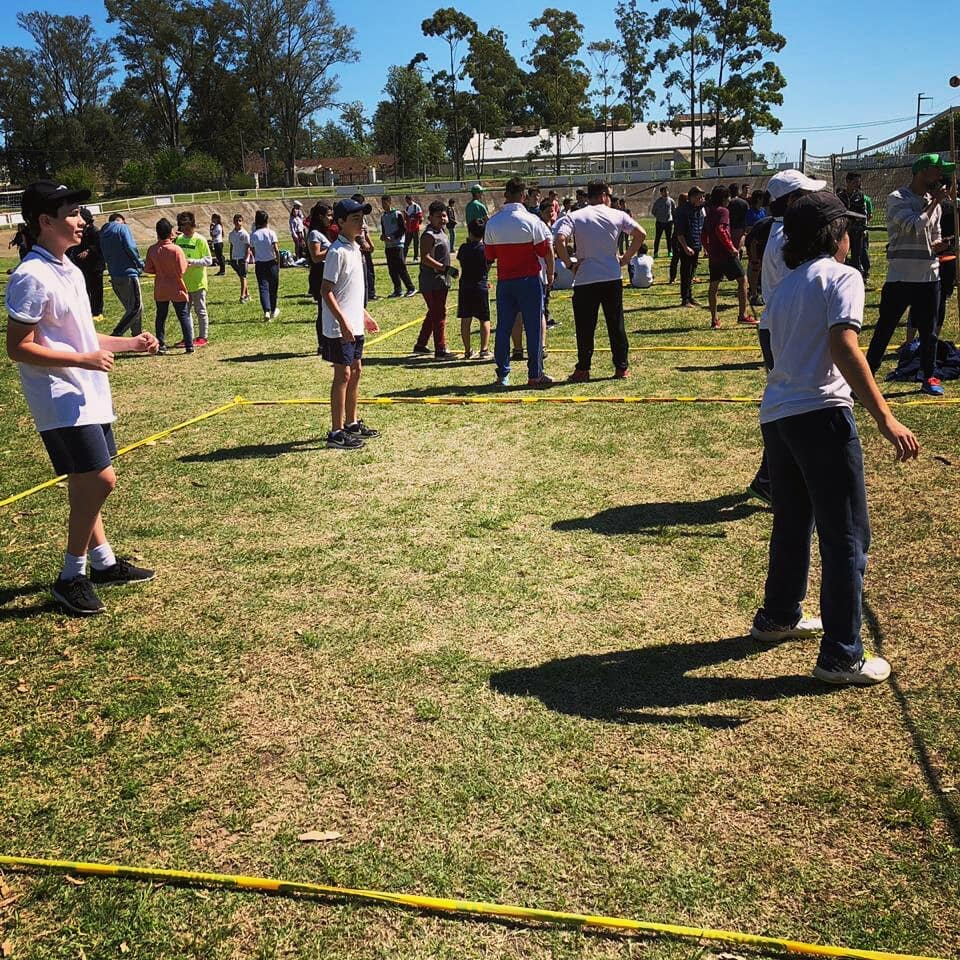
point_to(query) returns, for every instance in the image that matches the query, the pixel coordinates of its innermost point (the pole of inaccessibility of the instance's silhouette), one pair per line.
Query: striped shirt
(912, 234)
(516, 239)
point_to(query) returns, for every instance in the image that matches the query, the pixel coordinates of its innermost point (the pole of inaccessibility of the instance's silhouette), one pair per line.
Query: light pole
(265, 167)
(921, 97)
(860, 137)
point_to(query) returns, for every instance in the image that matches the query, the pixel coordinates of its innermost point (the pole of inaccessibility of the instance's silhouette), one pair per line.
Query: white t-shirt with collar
(50, 295)
(239, 243)
(808, 302)
(343, 267)
(596, 230)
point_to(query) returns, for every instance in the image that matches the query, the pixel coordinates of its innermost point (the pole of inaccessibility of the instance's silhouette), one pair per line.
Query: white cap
(786, 181)
(297, 203)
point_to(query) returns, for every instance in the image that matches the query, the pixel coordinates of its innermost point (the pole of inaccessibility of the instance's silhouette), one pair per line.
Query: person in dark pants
(855, 200)
(88, 257)
(663, 210)
(393, 233)
(688, 227)
(366, 249)
(816, 462)
(675, 252)
(266, 255)
(598, 276)
(913, 267)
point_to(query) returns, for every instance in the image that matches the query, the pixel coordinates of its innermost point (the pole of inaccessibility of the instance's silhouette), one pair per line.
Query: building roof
(634, 139)
(346, 165)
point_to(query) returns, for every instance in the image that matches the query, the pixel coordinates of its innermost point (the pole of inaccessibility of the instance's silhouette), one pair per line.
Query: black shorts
(337, 351)
(729, 269)
(239, 267)
(80, 449)
(473, 304)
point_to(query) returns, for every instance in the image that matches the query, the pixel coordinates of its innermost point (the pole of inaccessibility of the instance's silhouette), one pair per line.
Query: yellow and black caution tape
(237, 401)
(444, 905)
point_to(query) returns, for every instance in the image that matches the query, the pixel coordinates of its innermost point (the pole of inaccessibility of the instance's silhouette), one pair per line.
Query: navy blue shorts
(335, 350)
(80, 449)
(239, 267)
(474, 304)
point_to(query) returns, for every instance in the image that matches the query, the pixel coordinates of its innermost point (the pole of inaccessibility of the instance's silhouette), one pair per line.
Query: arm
(23, 348)
(563, 253)
(726, 241)
(845, 353)
(903, 215)
(318, 252)
(144, 343)
(330, 299)
(132, 250)
(637, 236)
(369, 324)
(550, 263)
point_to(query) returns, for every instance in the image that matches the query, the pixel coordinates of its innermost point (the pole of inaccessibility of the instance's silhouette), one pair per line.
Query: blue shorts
(80, 449)
(337, 351)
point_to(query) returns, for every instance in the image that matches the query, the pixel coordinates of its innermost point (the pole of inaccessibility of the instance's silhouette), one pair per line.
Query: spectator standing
(723, 256)
(598, 276)
(217, 234)
(124, 266)
(89, 258)
(689, 229)
(266, 255)
(318, 245)
(197, 251)
(675, 247)
(240, 254)
(167, 262)
(737, 208)
(298, 230)
(476, 208)
(913, 266)
(856, 201)
(515, 239)
(366, 250)
(473, 293)
(452, 222)
(435, 283)
(392, 232)
(21, 240)
(414, 214)
(663, 210)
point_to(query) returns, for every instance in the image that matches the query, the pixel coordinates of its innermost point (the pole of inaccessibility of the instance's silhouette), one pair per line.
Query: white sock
(73, 566)
(102, 557)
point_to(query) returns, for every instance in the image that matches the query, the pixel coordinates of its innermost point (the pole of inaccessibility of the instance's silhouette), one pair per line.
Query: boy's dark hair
(546, 204)
(718, 195)
(732, 191)
(476, 227)
(800, 248)
(436, 206)
(237, 216)
(164, 228)
(643, 250)
(186, 218)
(515, 187)
(358, 197)
(261, 218)
(387, 196)
(597, 188)
(694, 192)
(451, 201)
(757, 195)
(114, 217)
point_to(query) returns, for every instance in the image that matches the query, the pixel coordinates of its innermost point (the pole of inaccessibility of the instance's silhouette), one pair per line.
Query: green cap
(932, 160)
(476, 188)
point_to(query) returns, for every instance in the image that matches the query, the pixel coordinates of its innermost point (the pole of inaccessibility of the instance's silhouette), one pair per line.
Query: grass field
(501, 652)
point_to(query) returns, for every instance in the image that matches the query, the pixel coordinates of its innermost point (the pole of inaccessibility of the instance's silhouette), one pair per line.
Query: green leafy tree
(605, 55)
(25, 152)
(634, 28)
(454, 27)
(353, 119)
(559, 80)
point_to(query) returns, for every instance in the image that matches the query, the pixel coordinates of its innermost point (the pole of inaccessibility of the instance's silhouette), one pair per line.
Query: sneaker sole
(775, 636)
(67, 605)
(847, 679)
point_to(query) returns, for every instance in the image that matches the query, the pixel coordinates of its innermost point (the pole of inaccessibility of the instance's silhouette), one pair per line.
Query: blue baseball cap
(343, 208)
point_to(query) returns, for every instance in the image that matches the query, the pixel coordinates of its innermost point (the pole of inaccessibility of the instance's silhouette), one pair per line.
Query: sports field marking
(444, 905)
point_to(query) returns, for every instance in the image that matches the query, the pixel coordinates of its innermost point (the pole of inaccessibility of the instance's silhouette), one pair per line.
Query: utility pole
(921, 97)
(860, 137)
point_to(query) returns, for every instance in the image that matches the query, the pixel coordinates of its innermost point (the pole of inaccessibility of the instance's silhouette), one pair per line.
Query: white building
(629, 149)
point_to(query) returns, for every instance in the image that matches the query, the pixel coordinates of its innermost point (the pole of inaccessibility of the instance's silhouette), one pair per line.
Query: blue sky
(846, 64)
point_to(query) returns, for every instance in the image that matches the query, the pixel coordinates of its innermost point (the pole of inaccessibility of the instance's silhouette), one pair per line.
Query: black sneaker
(551, 323)
(341, 440)
(445, 355)
(422, 351)
(516, 355)
(78, 596)
(361, 430)
(122, 572)
(762, 491)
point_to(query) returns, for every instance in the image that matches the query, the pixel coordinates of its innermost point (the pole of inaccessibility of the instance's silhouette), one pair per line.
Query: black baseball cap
(47, 196)
(814, 211)
(343, 208)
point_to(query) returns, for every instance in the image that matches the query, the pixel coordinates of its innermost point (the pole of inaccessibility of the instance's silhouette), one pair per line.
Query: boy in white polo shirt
(344, 321)
(63, 365)
(816, 462)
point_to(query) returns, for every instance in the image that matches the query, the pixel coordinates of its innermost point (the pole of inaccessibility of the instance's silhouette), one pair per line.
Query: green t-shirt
(194, 248)
(475, 210)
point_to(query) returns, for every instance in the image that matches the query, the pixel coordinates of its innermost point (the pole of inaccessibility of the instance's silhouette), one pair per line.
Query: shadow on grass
(259, 357)
(256, 451)
(655, 518)
(449, 390)
(948, 809)
(9, 594)
(626, 686)
(748, 365)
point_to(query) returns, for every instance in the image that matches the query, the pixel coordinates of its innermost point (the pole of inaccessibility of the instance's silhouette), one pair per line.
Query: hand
(146, 343)
(942, 245)
(83, 254)
(688, 251)
(346, 335)
(904, 442)
(624, 260)
(99, 360)
(370, 325)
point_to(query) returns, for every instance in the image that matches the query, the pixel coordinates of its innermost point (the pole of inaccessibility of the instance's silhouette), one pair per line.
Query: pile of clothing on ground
(908, 362)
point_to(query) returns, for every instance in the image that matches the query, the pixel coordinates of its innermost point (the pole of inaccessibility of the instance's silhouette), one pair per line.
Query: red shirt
(716, 235)
(167, 261)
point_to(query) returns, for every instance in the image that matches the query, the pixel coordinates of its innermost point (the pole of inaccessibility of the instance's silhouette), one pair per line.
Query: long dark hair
(800, 248)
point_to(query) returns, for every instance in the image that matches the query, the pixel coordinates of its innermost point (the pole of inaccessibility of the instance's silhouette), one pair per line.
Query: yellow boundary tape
(237, 401)
(633, 349)
(443, 905)
(389, 333)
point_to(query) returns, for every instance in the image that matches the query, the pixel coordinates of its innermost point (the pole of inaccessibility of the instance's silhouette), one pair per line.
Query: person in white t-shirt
(63, 364)
(266, 256)
(239, 241)
(345, 321)
(641, 269)
(598, 277)
(816, 463)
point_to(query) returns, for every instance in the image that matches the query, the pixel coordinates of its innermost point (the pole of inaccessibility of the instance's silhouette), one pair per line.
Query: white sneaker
(866, 672)
(765, 630)
(266, 314)
(276, 313)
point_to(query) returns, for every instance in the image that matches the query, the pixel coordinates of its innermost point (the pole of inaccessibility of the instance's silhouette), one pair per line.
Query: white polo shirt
(596, 229)
(343, 267)
(50, 295)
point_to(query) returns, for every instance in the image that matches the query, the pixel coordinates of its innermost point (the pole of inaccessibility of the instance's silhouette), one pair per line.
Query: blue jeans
(816, 469)
(183, 315)
(268, 283)
(523, 295)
